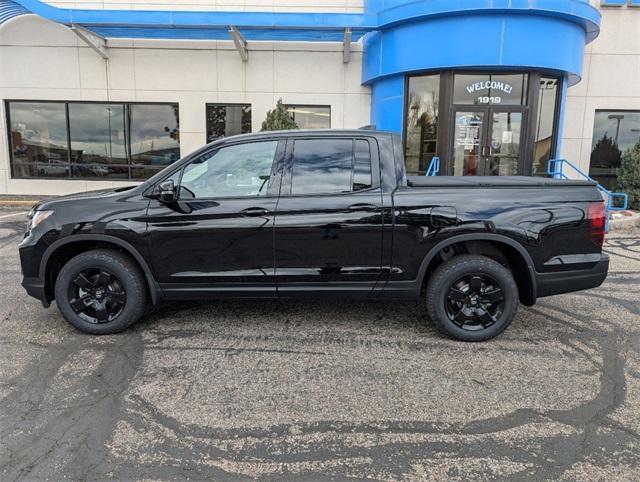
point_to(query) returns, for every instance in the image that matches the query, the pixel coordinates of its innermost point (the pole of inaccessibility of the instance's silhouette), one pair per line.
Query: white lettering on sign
(489, 84)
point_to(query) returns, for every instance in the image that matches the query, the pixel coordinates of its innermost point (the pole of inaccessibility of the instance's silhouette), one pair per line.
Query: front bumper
(35, 288)
(555, 283)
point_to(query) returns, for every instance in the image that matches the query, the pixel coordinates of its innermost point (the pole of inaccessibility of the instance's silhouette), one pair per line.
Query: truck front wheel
(472, 298)
(101, 292)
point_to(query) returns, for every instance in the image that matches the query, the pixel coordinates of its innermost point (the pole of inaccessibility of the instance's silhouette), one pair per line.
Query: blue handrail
(555, 169)
(434, 167)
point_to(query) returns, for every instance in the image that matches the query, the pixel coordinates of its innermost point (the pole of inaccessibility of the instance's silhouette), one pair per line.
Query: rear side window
(328, 166)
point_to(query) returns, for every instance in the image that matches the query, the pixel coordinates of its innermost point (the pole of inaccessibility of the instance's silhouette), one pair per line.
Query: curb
(625, 223)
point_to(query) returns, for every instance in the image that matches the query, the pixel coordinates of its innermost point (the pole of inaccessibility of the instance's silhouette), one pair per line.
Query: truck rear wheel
(101, 292)
(472, 298)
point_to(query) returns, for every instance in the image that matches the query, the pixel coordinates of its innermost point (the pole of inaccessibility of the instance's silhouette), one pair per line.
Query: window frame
(273, 185)
(66, 103)
(225, 104)
(312, 106)
(374, 150)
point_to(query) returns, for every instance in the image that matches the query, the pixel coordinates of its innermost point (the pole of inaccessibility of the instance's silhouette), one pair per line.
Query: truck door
(328, 224)
(218, 236)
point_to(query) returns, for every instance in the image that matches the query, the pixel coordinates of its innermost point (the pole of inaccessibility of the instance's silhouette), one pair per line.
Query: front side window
(224, 120)
(614, 133)
(329, 166)
(92, 140)
(310, 116)
(235, 171)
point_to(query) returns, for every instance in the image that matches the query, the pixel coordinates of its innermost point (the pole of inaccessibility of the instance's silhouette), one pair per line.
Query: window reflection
(234, 171)
(97, 133)
(422, 122)
(310, 117)
(154, 135)
(614, 132)
(547, 102)
(225, 120)
(491, 89)
(362, 166)
(39, 139)
(322, 167)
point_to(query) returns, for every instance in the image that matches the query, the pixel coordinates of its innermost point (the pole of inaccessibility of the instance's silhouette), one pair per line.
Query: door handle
(254, 212)
(362, 207)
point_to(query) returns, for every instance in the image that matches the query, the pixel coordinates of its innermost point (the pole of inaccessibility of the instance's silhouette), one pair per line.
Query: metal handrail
(434, 167)
(555, 169)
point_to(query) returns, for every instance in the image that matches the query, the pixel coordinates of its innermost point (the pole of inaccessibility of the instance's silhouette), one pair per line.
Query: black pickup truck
(315, 214)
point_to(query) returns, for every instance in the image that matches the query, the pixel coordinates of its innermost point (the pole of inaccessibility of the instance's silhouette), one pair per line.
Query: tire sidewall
(455, 269)
(122, 269)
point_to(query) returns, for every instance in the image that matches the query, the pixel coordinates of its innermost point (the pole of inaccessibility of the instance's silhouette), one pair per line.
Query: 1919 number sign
(489, 100)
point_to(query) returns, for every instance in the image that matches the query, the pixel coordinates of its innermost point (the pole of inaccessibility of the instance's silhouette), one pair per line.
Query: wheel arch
(85, 242)
(528, 292)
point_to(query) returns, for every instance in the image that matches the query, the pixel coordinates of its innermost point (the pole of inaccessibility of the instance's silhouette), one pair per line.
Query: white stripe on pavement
(14, 214)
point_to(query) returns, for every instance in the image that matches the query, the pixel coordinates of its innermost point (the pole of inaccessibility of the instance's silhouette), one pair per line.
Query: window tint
(310, 116)
(322, 166)
(234, 171)
(97, 134)
(422, 122)
(225, 120)
(38, 139)
(154, 136)
(105, 140)
(362, 166)
(614, 134)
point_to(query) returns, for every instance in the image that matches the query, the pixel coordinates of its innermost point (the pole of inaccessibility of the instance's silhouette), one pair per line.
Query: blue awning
(201, 25)
(10, 9)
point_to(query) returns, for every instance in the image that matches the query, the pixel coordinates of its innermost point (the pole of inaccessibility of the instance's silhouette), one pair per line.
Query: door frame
(485, 134)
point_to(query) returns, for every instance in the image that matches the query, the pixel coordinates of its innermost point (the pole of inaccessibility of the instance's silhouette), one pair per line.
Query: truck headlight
(38, 217)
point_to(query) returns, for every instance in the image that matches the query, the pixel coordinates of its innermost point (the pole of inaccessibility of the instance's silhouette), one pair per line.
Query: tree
(606, 153)
(278, 119)
(629, 175)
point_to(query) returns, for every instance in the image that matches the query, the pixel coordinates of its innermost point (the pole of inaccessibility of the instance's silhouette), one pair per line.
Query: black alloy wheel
(101, 292)
(97, 295)
(472, 297)
(475, 302)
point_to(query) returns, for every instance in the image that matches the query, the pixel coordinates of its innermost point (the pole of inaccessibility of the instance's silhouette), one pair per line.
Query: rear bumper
(35, 288)
(549, 284)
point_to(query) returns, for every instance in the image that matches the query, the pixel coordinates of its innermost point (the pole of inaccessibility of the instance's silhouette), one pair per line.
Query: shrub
(278, 119)
(629, 175)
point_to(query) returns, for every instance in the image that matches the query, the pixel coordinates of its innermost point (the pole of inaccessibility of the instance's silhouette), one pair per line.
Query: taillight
(597, 215)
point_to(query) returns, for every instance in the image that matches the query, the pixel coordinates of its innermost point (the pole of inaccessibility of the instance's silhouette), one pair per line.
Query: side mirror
(167, 192)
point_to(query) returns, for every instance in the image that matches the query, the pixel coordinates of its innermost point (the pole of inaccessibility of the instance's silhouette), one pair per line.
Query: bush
(278, 119)
(629, 176)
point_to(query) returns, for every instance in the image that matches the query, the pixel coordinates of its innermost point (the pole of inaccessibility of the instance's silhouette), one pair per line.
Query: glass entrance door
(486, 142)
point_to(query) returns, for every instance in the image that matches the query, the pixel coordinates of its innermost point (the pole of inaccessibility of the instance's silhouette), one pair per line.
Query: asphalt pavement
(310, 390)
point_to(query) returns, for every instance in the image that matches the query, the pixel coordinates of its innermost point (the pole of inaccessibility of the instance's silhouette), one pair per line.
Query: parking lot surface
(238, 390)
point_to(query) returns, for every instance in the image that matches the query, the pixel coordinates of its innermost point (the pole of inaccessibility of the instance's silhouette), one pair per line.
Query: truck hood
(50, 203)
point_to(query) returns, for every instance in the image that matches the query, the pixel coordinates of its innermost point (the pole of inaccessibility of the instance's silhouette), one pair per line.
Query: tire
(101, 292)
(472, 298)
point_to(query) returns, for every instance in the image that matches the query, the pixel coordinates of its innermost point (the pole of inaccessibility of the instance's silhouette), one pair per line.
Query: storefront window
(490, 89)
(614, 132)
(422, 122)
(224, 120)
(310, 116)
(39, 140)
(117, 141)
(545, 125)
(97, 133)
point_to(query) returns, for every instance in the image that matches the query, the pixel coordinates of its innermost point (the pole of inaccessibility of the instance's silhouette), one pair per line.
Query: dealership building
(96, 94)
